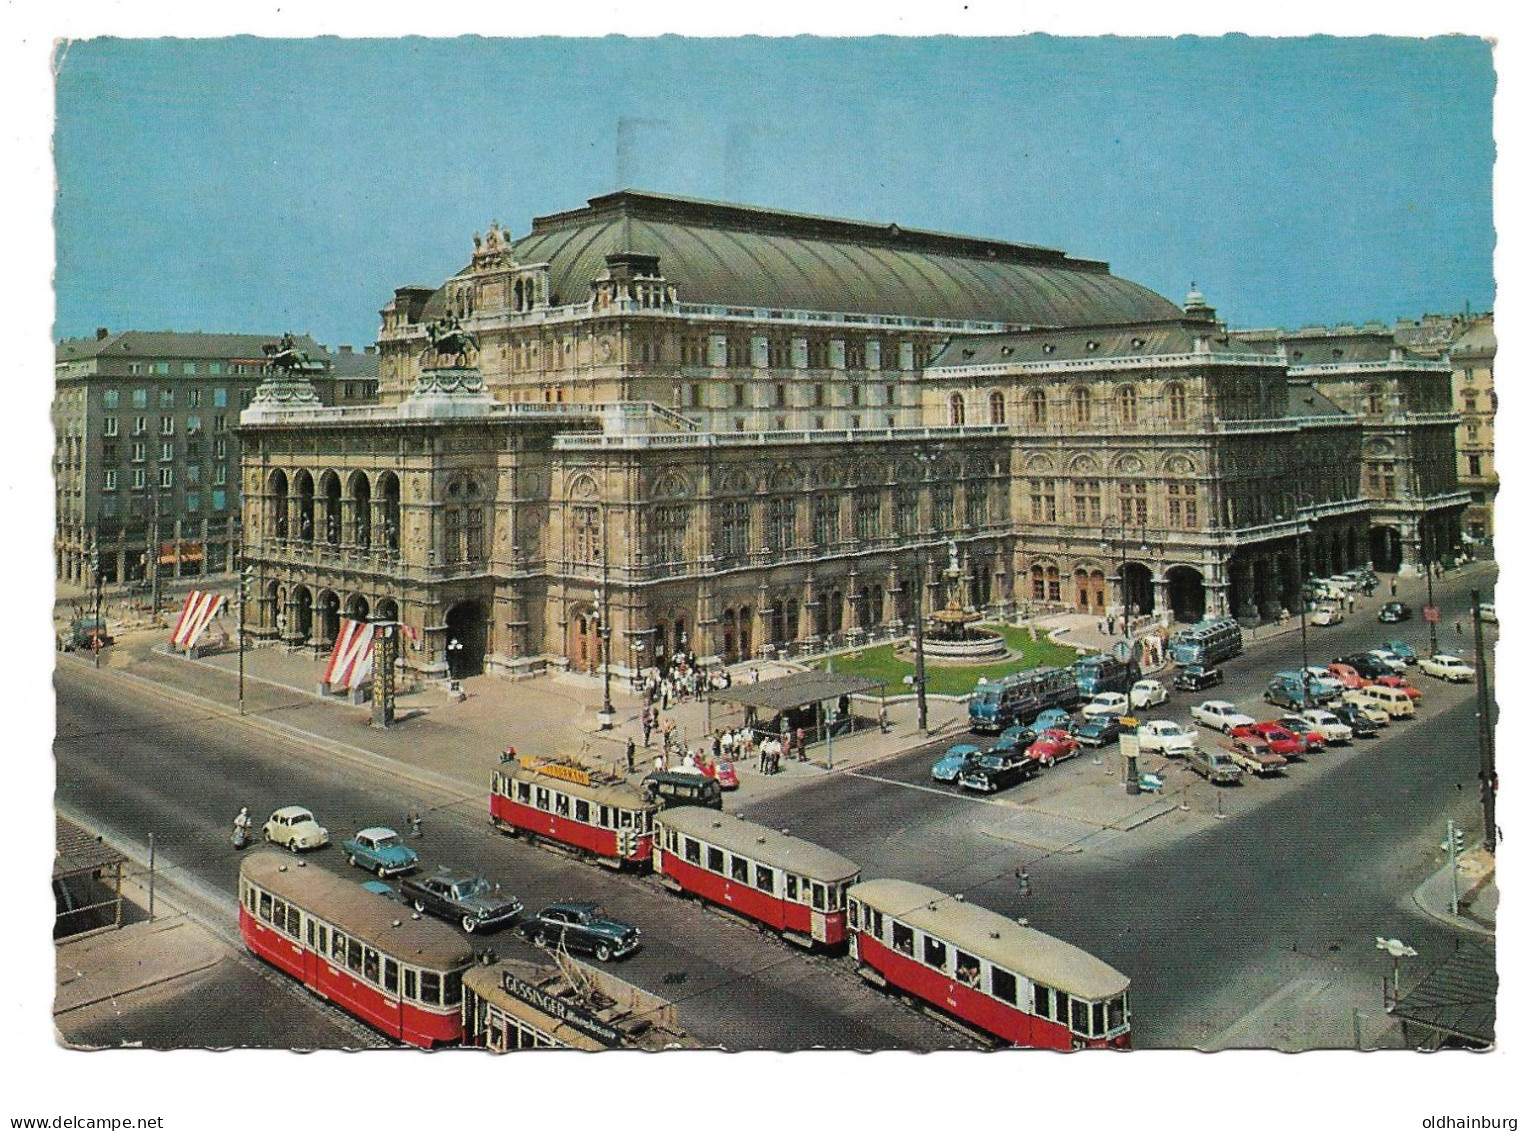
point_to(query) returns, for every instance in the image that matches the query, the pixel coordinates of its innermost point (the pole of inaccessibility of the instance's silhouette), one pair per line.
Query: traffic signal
(1454, 840)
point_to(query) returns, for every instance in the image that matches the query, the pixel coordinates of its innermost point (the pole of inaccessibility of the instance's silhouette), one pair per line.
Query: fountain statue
(952, 637)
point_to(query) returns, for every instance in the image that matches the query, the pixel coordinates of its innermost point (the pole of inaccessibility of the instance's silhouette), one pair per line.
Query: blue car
(955, 759)
(380, 850)
(1055, 719)
(1402, 649)
(1099, 731)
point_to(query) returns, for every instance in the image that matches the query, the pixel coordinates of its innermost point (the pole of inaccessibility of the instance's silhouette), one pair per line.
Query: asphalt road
(142, 764)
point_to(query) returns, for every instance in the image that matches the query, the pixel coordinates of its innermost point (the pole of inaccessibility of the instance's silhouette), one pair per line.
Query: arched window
(957, 409)
(1082, 405)
(1128, 406)
(1177, 404)
(1375, 400)
(997, 410)
(1035, 400)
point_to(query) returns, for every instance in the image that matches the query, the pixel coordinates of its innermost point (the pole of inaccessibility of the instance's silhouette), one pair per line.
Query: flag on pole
(195, 615)
(350, 662)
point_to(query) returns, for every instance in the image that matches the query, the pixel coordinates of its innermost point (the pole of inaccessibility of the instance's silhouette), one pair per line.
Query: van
(1392, 700)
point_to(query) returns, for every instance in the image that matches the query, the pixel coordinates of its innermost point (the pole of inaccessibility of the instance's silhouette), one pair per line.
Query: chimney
(347, 349)
(102, 333)
(371, 349)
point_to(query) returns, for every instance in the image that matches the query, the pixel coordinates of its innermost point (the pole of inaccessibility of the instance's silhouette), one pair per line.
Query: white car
(1451, 668)
(1106, 703)
(1389, 659)
(1488, 611)
(1221, 715)
(294, 827)
(1327, 725)
(1325, 614)
(1321, 683)
(1147, 693)
(1163, 736)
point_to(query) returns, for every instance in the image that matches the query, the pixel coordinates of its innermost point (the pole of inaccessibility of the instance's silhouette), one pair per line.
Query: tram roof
(363, 914)
(764, 845)
(612, 792)
(995, 937)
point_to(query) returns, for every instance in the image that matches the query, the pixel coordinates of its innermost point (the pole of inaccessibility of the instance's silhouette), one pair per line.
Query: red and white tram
(401, 975)
(594, 813)
(787, 883)
(986, 970)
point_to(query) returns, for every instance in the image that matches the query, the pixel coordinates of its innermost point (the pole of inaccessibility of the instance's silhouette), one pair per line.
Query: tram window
(1098, 1019)
(604, 816)
(854, 913)
(1005, 987)
(791, 890)
(562, 804)
(371, 969)
(740, 869)
(874, 922)
(338, 951)
(249, 899)
(647, 820)
(410, 986)
(543, 797)
(624, 818)
(1043, 1004)
(1080, 1017)
(716, 859)
(523, 791)
(902, 938)
(323, 937)
(968, 968)
(935, 953)
(764, 878)
(310, 934)
(692, 850)
(265, 906)
(581, 811)
(819, 896)
(1063, 1006)
(278, 914)
(1116, 1013)
(453, 991)
(356, 953)
(429, 987)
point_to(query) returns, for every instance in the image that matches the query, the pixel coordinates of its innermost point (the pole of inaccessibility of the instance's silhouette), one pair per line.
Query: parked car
(1322, 685)
(955, 759)
(381, 850)
(1394, 612)
(725, 773)
(1148, 693)
(582, 926)
(1312, 741)
(1488, 611)
(1255, 754)
(681, 787)
(1347, 675)
(1213, 765)
(1328, 724)
(1290, 690)
(1099, 730)
(467, 899)
(998, 769)
(1451, 668)
(1359, 719)
(1197, 677)
(1365, 665)
(1055, 745)
(1393, 701)
(1106, 703)
(1325, 614)
(1220, 715)
(294, 828)
(1054, 719)
(1163, 736)
(1400, 684)
(1392, 661)
(1280, 740)
(1402, 649)
(1016, 738)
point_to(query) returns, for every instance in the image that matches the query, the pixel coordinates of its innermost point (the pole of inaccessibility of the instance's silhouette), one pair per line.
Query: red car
(725, 773)
(1279, 740)
(1298, 727)
(1051, 747)
(1400, 684)
(1348, 677)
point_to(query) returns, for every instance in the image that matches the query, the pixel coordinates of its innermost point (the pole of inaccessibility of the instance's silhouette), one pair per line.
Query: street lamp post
(927, 457)
(1124, 526)
(98, 630)
(246, 578)
(607, 710)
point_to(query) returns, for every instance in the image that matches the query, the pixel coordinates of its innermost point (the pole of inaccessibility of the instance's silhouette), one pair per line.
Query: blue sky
(256, 184)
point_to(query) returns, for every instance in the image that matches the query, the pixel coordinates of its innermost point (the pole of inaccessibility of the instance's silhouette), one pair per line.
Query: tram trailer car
(792, 885)
(985, 970)
(592, 813)
(401, 975)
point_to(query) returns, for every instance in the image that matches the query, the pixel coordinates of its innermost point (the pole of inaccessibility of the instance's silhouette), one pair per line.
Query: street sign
(1430, 614)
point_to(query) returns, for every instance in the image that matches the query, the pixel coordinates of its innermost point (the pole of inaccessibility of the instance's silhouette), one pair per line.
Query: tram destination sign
(553, 1006)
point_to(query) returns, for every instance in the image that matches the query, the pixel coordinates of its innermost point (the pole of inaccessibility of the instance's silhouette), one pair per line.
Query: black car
(1393, 612)
(1359, 723)
(998, 769)
(1197, 677)
(1099, 731)
(582, 926)
(675, 787)
(470, 900)
(1014, 738)
(1366, 666)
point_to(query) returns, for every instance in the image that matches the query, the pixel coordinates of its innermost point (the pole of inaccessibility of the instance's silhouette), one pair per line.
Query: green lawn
(881, 662)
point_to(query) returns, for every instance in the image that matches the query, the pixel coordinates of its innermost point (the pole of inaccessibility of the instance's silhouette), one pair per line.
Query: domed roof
(734, 255)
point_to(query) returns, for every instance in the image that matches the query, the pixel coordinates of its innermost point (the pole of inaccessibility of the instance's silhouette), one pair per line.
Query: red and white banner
(350, 662)
(195, 615)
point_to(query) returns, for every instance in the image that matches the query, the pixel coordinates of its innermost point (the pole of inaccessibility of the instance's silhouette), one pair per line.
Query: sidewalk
(1477, 894)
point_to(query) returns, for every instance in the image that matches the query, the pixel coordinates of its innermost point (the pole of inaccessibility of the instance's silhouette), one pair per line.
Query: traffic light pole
(1487, 733)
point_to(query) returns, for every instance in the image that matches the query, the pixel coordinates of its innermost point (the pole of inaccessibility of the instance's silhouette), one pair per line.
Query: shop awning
(788, 692)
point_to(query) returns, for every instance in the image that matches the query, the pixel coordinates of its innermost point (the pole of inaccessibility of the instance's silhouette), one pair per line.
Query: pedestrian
(784, 742)
(1459, 628)
(647, 727)
(1111, 624)
(415, 823)
(801, 744)
(881, 720)
(1392, 587)
(631, 755)
(753, 675)
(1351, 602)
(1100, 628)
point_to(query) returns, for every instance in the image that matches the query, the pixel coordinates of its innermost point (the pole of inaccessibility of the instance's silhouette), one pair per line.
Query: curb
(138, 987)
(1460, 923)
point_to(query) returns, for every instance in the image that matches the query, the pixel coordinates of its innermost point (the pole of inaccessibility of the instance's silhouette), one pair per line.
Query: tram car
(511, 1004)
(401, 975)
(984, 970)
(792, 885)
(594, 814)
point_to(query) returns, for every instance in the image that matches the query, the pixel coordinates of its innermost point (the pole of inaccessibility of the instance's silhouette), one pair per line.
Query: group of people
(680, 678)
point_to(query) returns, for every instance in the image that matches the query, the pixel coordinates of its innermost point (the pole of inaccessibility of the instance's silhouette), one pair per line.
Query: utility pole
(98, 630)
(1487, 730)
(919, 678)
(246, 579)
(1427, 564)
(154, 549)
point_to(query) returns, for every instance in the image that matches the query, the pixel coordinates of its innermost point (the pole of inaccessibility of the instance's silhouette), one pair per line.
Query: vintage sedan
(1221, 715)
(1280, 740)
(294, 828)
(1400, 684)
(1394, 612)
(1358, 719)
(1402, 649)
(1391, 660)
(1053, 746)
(1254, 754)
(1106, 703)
(1311, 739)
(584, 927)
(1197, 677)
(1054, 718)
(955, 759)
(1451, 668)
(470, 900)
(380, 850)
(998, 769)
(1148, 693)
(1163, 736)
(1099, 731)
(1330, 726)
(1325, 614)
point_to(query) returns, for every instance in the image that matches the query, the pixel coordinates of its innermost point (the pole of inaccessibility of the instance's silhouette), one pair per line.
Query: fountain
(953, 637)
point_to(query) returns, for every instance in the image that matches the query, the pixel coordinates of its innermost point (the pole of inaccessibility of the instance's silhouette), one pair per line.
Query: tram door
(819, 904)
